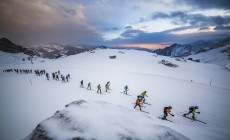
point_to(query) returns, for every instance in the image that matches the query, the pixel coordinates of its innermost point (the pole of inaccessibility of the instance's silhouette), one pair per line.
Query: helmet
(145, 91)
(170, 107)
(196, 107)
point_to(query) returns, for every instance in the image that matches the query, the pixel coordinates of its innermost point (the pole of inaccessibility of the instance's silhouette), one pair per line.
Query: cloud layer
(108, 22)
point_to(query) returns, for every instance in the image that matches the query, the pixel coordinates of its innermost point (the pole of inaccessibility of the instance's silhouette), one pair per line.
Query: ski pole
(183, 112)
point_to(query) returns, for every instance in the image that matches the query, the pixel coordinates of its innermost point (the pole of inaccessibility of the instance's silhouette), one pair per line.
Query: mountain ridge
(178, 50)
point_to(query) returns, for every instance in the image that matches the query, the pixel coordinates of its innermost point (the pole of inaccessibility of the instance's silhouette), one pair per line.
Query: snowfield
(27, 100)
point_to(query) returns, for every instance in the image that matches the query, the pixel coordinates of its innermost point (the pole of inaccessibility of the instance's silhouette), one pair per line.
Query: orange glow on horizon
(151, 46)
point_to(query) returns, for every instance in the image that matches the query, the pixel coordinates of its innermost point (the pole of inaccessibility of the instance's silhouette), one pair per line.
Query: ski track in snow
(23, 105)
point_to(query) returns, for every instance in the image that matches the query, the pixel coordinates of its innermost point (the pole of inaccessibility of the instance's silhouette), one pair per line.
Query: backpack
(139, 97)
(191, 108)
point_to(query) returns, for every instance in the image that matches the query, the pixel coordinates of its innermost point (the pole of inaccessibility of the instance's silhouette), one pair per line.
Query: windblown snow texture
(77, 122)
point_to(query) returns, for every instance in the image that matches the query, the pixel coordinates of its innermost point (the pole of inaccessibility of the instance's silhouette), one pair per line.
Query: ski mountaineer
(67, 78)
(89, 86)
(63, 78)
(166, 112)
(143, 94)
(108, 83)
(53, 76)
(99, 88)
(47, 76)
(57, 78)
(81, 82)
(126, 89)
(138, 103)
(192, 109)
(106, 87)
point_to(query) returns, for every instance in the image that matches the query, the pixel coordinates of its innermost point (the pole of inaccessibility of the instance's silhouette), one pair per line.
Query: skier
(106, 87)
(57, 77)
(53, 76)
(143, 94)
(81, 82)
(47, 76)
(108, 83)
(67, 78)
(192, 109)
(138, 103)
(89, 86)
(63, 78)
(126, 89)
(99, 88)
(166, 112)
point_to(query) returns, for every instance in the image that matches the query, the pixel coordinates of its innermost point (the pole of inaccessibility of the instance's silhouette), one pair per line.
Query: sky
(131, 23)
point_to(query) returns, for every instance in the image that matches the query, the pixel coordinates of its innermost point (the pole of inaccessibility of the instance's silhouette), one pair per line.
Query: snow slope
(103, 121)
(219, 56)
(24, 105)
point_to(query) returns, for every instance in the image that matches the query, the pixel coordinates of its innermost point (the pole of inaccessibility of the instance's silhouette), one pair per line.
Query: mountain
(178, 50)
(30, 102)
(7, 46)
(53, 50)
(132, 48)
(219, 56)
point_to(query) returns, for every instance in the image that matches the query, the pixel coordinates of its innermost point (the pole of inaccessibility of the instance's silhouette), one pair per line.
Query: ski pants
(99, 90)
(137, 105)
(165, 114)
(193, 113)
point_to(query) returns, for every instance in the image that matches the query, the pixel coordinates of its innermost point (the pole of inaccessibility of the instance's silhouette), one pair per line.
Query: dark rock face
(39, 134)
(177, 50)
(7, 46)
(167, 63)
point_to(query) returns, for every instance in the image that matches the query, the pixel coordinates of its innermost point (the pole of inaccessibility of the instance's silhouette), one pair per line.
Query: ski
(165, 119)
(144, 111)
(193, 119)
(125, 94)
(147, 103)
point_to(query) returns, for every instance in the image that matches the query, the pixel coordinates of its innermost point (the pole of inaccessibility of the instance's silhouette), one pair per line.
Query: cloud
(141, 37)
(183, 17)
(128, 27)
(204, 28)
(207, 4)
(31, 22)
(111, 29)
(222, 28)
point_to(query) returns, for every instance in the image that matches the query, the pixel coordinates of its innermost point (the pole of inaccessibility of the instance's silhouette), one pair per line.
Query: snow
(23, 105)
(214, 56)
(81, 123)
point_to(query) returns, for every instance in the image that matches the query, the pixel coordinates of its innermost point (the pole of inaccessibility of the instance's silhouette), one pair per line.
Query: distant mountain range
(7, 46)
(50, 51)
(178, 50)
(54, 50)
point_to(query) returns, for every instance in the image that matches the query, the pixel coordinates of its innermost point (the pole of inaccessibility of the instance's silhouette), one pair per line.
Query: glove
(198, 112)
(172, 115)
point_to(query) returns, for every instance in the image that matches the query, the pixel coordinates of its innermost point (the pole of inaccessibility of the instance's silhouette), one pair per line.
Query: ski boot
(193, 117)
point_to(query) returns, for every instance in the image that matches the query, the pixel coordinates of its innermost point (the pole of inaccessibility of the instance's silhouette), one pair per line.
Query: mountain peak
(7, 46)
(178, 50)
